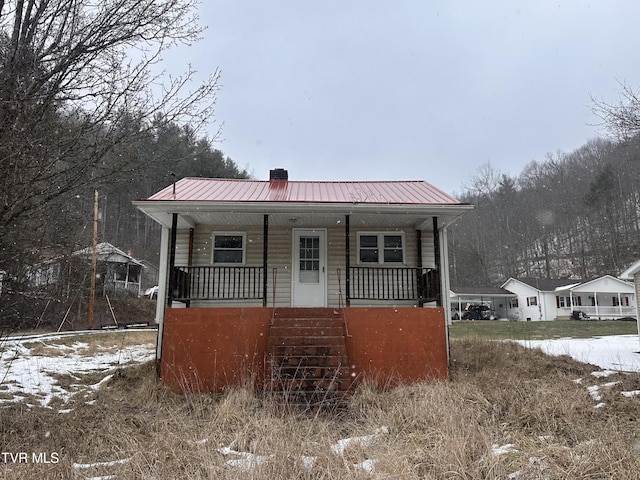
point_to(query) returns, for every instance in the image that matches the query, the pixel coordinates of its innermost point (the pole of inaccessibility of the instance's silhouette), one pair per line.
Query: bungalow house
(633, 274)
(117, 271)
(301, 285)
(605, 297)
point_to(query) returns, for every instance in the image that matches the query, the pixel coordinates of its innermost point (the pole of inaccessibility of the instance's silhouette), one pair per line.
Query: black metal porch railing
(394, 283)
(218, 283)
(247, 283)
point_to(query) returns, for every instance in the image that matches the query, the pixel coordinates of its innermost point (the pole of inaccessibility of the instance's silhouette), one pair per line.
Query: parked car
(455, 313)
(479, 312)
(579, 315)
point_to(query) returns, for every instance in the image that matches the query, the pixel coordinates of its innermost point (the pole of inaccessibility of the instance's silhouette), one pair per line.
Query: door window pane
(309, 259)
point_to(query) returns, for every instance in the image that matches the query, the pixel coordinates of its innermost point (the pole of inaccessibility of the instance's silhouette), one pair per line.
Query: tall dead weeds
(499, 395)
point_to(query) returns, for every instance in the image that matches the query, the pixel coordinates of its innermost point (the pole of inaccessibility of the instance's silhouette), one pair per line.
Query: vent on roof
(278, 174)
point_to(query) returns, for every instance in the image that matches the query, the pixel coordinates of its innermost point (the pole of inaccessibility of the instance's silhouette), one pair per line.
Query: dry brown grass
(498, 394)
(105, 341)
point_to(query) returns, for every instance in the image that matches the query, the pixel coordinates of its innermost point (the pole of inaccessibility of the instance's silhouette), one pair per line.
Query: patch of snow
(594, 391)
(503, 449)
(307, 461)
(631, 393)
(617, 353)
(368, 465)
(23, 373)
(83, 466)
(247, 461)
(340, 446)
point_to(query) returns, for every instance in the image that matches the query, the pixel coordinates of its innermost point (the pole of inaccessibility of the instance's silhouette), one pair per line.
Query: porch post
(172, 259)
(420, 282)
(436, 253)
(620, 303)
(571, 303)
(190, 261)
(445, 286)
(347, 260)
(265, 250)
(161, 296)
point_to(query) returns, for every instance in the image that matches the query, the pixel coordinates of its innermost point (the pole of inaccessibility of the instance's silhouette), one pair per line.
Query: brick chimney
(278, 174)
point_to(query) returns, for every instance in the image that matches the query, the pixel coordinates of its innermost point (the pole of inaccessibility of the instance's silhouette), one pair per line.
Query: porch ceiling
(303, 215)
(311, 220)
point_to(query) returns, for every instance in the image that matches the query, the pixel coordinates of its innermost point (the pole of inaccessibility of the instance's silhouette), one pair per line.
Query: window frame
(243, 235)
(380, 247)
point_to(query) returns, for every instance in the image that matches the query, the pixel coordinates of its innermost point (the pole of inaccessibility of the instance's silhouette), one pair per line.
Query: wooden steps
(308, 363)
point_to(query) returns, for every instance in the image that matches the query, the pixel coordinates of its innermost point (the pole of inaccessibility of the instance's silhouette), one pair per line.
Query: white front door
(309, 285)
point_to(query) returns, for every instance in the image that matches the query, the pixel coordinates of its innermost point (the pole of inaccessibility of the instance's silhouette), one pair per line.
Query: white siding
(524, 311)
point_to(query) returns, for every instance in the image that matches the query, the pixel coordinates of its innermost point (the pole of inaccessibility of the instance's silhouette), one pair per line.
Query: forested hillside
(172, 152)
(570, 215)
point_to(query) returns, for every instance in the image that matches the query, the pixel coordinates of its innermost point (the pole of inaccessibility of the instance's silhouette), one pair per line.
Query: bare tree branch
(73, 75)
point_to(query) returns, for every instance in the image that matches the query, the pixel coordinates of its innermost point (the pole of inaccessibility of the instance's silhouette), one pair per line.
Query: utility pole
(94, 261)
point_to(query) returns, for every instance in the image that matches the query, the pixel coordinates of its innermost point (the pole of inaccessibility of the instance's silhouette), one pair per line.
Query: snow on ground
(30, 366)
(618, 353)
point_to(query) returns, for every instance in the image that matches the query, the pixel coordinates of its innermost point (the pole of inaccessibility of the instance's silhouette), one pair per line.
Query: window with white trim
(380, 248)
(532, 301)
(228, 248)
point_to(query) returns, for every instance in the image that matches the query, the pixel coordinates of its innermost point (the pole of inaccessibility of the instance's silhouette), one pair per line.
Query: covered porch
(606, 297)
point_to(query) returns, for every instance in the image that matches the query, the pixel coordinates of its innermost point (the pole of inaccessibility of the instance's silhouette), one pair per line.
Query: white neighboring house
(633, 273)
(605, 297)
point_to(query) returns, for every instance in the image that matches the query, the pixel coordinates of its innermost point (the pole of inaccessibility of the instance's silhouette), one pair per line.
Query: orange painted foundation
(208, 349)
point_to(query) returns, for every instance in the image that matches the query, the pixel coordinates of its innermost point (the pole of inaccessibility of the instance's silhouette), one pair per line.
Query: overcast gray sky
(386, 90)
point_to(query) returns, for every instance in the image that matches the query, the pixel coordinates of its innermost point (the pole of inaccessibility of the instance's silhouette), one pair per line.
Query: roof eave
(161, 210)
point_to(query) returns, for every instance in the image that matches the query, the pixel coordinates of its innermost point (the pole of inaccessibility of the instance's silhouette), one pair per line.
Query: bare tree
(621, 119)
(80, 82)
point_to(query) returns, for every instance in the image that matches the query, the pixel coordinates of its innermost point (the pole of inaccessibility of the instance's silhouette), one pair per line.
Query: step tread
(306, 312)
(307, 322)
(307, 330)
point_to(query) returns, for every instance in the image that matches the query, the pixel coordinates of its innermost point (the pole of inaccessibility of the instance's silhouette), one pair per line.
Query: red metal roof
(415, 192)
